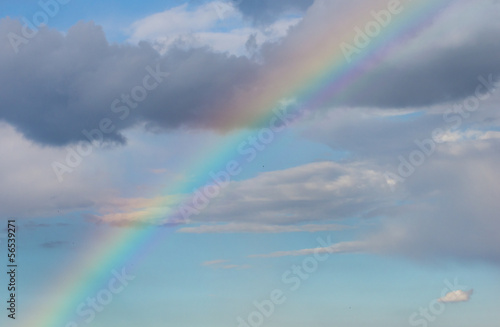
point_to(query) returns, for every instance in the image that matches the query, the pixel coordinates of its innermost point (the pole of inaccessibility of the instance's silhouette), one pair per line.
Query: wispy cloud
(260, 228)
(214, 262)
(53, 244)
(344, 247)
(224, 264)
(237, 267)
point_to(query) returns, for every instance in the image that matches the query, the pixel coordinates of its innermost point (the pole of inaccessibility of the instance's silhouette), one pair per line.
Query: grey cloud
(447, 212)
(29, 188)
(58, 85)
(366, 133)
(319, 191)
(454, 209)
(424, 79)
(448, 209)
(419, 70)
(286, 201)
(382, 135)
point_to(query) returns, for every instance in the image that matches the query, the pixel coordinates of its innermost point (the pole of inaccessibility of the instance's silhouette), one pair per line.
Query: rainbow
(314, 75)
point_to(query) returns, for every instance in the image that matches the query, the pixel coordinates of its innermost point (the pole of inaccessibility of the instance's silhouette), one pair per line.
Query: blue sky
(397, 177)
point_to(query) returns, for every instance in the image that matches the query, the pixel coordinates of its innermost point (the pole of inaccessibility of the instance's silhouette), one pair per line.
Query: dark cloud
(431, 64)
(267, 11)
(58, 85)
(429, 76)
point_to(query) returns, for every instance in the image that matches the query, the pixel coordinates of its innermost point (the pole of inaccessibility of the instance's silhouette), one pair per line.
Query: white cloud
(468, 135)
(216, 24)
(178, 21)
(456, 296)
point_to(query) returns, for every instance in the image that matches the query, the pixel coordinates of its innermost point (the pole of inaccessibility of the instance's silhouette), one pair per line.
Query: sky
(250, 163)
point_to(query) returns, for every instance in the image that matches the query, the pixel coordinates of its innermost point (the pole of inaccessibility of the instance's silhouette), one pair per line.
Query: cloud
(30, 187)
(259, 228)
(274, 201)
(61, 84)
(420, 71)
(179, 20)
(223, 264)
(53, 244)
(318, 191)
(453, 213)
(218, 25)
(447, 202)
(135, 212)
(34, 225)
(456, 296)
(344, 247)
(267, 11)
(214, 262)
(446, 210)
(237, 267)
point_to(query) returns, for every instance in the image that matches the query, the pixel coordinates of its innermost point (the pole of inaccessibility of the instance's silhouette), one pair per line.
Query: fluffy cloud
(61, 84)
(456, 296)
